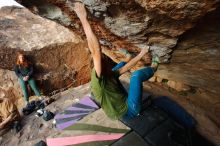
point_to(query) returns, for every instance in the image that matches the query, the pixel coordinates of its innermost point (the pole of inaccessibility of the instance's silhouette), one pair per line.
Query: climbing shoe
(155, 62)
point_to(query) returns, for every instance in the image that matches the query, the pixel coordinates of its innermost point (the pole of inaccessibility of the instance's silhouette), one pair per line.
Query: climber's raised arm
(93, 43)
(133, 61)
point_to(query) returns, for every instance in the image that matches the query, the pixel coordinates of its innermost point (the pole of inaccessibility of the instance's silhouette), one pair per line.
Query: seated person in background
(9, 115)
(24, 72)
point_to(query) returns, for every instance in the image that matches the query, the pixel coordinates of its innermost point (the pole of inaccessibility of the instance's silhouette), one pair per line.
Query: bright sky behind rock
(8, 3)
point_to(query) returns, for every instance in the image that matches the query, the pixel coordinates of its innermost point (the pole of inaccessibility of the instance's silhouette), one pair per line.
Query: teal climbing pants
(33, 86)
(135, 89)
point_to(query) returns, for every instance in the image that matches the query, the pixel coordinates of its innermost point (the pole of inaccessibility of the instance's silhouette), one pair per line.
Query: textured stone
(140, 22)
(35, 128)
(185, 9)
(182, 87)
(159, 80)
(54, 50)
(195, 61)
(160, 24)
(152, 79)
(178, 86)
(9, 86)
(23, 30)
(171, 84)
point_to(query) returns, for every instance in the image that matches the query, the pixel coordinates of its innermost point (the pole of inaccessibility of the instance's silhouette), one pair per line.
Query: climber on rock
(105, 85)
(9, 115)
(24, 72)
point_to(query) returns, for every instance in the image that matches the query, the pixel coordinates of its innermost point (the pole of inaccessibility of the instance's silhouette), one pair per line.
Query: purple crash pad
(75, 112)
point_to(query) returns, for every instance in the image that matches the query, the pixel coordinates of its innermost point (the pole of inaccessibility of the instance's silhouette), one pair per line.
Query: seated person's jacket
(23, 71)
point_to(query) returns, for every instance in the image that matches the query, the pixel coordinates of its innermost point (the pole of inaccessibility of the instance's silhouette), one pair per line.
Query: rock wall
(23, 30)
(137, 22)
(60, 56)
(195, 63)
(197, 54)
(9, 86)
(192, 54)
